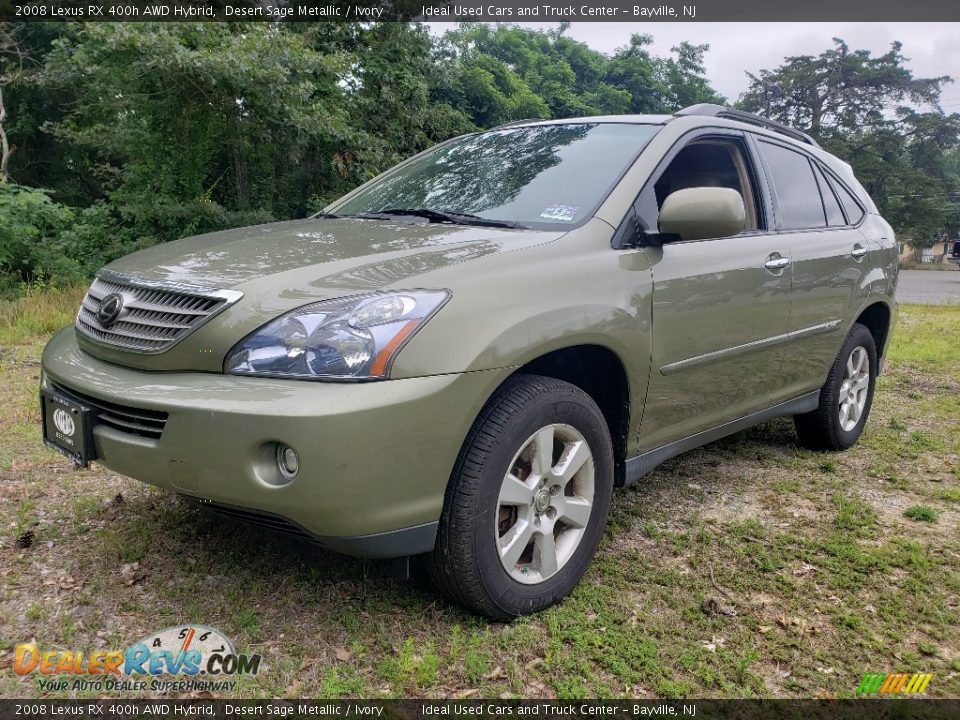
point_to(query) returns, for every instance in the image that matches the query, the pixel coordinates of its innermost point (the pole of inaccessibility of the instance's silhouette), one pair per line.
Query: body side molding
(748, 347)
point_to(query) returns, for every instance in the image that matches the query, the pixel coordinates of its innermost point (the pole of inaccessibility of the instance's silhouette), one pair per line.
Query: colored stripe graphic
(871, 683)
(893, 683)
(923, 680)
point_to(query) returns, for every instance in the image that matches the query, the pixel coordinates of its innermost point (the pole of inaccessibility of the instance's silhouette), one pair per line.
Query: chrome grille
(154, 316)
(133, 421)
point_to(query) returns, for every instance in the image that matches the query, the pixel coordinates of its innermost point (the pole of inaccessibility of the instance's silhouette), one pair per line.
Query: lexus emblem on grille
(109, 309)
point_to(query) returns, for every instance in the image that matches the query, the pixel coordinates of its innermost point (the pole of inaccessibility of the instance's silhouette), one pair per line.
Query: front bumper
(375, 457)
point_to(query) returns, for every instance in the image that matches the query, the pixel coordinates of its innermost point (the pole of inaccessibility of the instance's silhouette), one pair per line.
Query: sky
(933, 49)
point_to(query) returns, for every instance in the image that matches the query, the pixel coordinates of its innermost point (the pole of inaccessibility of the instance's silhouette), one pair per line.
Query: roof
(701, 110)
(592, 119)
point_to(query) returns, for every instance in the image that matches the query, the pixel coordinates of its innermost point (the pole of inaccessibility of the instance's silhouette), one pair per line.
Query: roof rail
(515, 122)
(712, 110)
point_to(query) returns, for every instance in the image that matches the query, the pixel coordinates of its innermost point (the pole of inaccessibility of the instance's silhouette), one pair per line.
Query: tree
(872, 112)
(141, 133)
(661, 85)
(684, 76)
(36, 157)
(506, 72)
(838, 89)
(190, 127)
(392, 92)
(636, 72)
(15, 63)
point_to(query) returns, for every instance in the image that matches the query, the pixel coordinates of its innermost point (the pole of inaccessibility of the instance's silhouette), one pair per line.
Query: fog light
(288, 461)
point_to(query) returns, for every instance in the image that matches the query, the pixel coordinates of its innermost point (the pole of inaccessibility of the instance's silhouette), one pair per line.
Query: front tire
(527, 501)
(845, 398)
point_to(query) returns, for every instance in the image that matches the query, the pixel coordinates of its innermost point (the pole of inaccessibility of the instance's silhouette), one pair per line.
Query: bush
(163, 218)
(44, 241)
(94, 239)
(30, 227)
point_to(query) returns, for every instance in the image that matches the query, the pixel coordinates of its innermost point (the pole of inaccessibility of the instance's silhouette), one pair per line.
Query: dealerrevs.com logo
(183, 658)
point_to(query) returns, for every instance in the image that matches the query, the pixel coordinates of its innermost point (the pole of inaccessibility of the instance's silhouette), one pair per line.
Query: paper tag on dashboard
(560, 213)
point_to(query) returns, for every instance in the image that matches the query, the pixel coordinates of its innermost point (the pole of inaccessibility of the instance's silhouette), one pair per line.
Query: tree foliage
(140, 133)
(504, 73)
(156, 131)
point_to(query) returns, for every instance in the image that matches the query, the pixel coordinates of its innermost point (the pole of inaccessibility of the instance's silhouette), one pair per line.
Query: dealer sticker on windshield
(560, 213)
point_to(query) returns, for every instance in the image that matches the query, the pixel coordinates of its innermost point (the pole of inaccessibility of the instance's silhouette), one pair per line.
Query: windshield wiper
(354, 216)
(441, 216)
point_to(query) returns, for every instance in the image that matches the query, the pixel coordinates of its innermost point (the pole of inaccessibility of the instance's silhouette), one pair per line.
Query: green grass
(827, 573)
(37, 313)
(927, 336)
(922, 513)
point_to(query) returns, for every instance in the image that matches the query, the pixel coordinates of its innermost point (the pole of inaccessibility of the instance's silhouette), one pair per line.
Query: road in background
(929, 286)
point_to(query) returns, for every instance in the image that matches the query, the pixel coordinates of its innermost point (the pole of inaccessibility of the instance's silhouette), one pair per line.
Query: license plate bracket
(68, 427)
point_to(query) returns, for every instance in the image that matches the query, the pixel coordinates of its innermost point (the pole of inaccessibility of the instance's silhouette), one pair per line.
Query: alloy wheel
(545, 503)
(854, 388)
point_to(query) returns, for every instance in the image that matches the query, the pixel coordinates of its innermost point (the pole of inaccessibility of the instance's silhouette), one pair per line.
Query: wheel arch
(601, 373)
(877, 317)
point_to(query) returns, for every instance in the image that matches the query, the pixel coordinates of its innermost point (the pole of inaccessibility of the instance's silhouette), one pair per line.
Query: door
(720, 306)
(817, 217)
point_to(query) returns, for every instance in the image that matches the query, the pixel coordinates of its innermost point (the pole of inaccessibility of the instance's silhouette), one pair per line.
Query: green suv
(463, 357)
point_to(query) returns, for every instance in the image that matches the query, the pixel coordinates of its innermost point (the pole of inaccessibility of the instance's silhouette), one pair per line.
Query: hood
(317, 257)
(281, 266)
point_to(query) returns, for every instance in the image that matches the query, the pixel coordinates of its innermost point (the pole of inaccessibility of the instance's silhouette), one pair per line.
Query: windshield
(548, 176)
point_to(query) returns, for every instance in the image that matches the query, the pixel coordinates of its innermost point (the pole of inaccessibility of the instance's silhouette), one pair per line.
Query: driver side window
(713, 163)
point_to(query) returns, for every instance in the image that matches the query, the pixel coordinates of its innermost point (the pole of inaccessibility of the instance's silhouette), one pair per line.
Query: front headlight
(346, 338)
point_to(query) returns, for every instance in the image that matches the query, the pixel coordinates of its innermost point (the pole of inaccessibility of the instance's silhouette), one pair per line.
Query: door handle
(777, 263)
(858, 251)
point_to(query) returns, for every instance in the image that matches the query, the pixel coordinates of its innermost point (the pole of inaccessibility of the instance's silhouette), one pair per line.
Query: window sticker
(561, 213)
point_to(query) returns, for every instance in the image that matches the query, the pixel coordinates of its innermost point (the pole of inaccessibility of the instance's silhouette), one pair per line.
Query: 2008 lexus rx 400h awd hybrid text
(463, 357)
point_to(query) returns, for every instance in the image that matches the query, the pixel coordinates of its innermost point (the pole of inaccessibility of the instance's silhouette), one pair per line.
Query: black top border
(514, 11)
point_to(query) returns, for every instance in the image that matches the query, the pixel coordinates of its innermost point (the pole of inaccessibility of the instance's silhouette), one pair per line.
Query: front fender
(507, 311)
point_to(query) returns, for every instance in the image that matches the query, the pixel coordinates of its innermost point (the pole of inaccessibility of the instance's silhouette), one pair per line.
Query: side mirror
(702, 212)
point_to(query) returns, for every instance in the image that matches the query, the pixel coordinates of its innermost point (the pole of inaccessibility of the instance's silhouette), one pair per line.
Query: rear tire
(845, 398)
(527, 502)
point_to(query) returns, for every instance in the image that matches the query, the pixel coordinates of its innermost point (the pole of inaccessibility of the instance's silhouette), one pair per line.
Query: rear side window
(796, 186)
(850, 206)
(830, 203)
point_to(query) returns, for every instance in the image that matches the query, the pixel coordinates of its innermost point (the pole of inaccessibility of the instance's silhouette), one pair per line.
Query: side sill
(640, 465)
